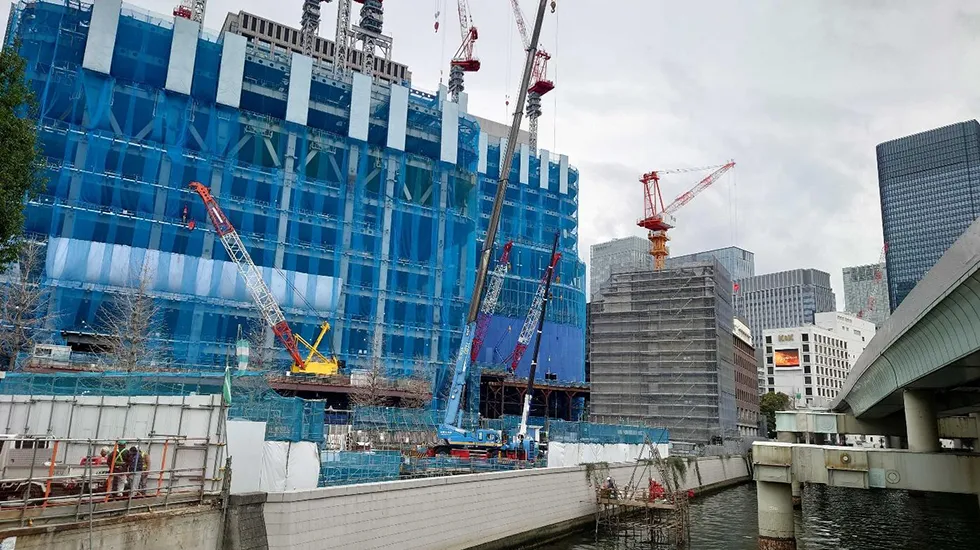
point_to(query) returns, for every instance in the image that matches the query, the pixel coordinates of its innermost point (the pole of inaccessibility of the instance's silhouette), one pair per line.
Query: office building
(362, 200)
(662, 352)
(930, 193)
(809, 363)
(746, 380)
(866, 295)
(615, 256)
(855, 332)
(783, 299)
(739, 262)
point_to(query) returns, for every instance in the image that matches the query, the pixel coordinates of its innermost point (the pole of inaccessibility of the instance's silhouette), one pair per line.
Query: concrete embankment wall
(183, 529)
(486, 511)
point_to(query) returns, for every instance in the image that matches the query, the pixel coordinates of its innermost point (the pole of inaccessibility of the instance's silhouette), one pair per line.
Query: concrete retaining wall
(184, 529)
(493, 510)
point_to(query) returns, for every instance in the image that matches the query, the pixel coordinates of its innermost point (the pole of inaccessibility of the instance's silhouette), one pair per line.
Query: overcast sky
(797, 92)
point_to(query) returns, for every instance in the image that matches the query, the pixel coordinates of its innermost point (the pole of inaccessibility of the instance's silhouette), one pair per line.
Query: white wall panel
(563, 174)
(525, 168)
(232, 69)
(398, 117)
(300, 80)
(450, 132)
(102, 36)
(481, 166)
(183, 50)
(545, 169)
(360, 107)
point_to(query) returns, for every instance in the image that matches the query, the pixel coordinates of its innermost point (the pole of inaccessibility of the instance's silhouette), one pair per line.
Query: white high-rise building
(809, 363)
(617, 256)
(861, 286)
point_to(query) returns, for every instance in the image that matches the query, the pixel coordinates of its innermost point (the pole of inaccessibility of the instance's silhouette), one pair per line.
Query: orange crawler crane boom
(657, 218)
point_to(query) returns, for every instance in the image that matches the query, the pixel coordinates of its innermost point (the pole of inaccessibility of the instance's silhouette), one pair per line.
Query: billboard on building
(786, 357)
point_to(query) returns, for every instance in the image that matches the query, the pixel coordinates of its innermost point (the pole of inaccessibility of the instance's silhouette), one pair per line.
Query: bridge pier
(776, 529)
(921, 422)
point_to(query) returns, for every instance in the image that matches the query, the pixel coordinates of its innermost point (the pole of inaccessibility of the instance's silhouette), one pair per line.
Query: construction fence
(286, 418)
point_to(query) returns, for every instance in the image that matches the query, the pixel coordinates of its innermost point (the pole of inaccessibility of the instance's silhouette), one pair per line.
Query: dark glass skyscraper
(930, 194)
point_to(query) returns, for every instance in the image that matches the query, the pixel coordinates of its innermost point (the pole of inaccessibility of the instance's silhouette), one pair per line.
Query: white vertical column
(450, 132)
(397, 117)
(300, 80)
(231, 72)
(101, 36)
(545, 168)
(525, 169)
(484, 145)
(360, 107)
(464, 102)
(921, 424)
(183, 51)
(563, 174)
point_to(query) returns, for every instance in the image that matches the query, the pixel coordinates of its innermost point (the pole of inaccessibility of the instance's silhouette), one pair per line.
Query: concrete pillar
(776, 531)
(797, 489)
(921, 425)
(894, 441)
(786, 437)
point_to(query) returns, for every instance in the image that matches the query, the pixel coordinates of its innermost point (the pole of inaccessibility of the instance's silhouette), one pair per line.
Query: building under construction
(361, 198)
(661, 352)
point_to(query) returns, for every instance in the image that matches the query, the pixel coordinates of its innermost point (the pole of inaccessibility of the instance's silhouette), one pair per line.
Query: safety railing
(51, 480)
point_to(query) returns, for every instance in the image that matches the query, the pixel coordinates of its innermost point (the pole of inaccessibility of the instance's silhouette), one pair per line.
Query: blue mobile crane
(451, 432)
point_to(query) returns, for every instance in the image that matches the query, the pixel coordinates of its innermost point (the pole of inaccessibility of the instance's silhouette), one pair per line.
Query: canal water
(835, 519)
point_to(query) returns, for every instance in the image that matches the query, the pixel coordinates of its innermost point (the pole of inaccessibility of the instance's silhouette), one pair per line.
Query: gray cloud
(798, 93)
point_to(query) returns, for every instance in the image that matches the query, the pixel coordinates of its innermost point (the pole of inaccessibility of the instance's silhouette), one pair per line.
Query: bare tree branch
(417, 388)
(25, 311)
(134, 325)
(261, 357)
(369, 388)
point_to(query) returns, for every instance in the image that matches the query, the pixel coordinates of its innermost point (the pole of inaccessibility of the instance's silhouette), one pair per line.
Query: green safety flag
(226, 387)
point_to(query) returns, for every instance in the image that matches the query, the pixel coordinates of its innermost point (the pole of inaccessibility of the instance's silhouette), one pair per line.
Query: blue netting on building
(286, 418)
(348, 467)
(398, 419)
(587, 432)
(121, 152)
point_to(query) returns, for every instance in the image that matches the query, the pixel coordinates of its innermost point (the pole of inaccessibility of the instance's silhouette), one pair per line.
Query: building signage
(785, 338)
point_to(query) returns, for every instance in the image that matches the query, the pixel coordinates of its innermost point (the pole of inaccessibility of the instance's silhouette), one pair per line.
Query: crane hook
(553, 6)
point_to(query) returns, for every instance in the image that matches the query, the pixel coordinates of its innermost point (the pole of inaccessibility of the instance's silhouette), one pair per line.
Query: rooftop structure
(739, 262)
(662, 352)
(361, 200)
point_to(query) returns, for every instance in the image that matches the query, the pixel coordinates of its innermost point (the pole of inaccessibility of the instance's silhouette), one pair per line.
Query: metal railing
(58, 480)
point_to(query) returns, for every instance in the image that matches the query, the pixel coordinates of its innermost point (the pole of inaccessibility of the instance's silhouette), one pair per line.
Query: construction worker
(143, 467)
(117, 465)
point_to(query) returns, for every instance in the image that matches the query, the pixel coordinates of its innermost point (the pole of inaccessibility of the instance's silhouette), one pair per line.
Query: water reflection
(835, 519)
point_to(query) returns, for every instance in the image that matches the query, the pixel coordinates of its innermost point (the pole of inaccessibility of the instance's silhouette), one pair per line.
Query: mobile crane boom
(533, 314)
(449, 429)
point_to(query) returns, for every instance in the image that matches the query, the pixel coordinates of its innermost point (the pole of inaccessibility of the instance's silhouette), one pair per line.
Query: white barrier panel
(289, 466)
(193, 424)
(298, 96)
(398, 117)
(245, 443)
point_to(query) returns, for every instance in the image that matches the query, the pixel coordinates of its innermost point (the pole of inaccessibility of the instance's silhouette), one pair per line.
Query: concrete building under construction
(361, 198)
(661, 351)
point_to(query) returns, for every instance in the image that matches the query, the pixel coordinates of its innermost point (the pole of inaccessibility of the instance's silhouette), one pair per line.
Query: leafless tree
(24, 310)
(370, 388)
(133, 324)
(261, 357)
(417, 388)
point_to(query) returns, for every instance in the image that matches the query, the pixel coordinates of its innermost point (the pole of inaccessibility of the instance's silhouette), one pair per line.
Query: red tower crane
(465, 61)
(657, 218)
(540, 84)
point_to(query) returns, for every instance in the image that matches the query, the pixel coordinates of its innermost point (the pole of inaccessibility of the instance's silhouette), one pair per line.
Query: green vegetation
(21, 164)
(768, 405)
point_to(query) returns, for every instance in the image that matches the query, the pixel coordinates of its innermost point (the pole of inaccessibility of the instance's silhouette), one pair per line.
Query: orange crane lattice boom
(658, 218)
